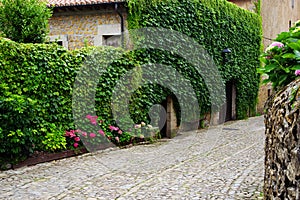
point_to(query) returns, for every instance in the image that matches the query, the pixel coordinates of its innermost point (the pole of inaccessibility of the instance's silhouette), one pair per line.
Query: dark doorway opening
(230, 101)
(162, 123)
(228, 116)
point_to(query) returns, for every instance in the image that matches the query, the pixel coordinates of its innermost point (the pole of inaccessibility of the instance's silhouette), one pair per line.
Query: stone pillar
(233, 112)
(171, 129)
(282, 147)
(215, 118)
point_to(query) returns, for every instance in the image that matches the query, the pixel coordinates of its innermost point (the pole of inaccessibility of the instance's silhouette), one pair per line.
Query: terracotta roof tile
(63, 3)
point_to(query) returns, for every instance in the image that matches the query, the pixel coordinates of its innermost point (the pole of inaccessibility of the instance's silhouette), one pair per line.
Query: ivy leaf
(282, 79)
(283, 36)
(296, 67)
(297, 54)
(289, 55)
(294, 45)
(270, 67)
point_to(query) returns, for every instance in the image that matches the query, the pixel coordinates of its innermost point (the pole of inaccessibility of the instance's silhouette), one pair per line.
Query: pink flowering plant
(281, 60)
(97, 132)
(100, 131)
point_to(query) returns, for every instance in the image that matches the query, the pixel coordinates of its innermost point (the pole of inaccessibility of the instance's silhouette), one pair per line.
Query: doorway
(230, 101)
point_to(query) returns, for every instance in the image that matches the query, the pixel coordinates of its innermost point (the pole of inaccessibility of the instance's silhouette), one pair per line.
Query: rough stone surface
(223, 162)
(282, 162)
(81, 28)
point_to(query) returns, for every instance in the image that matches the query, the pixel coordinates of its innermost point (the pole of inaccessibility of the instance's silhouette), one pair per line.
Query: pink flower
(93, 119)
(277, 44)
(77, 139)
(92, 135)
(84, 134)
(75, 144)
(101, 132)
(297, 72)
(120, 131)
(67, 134)
(71, 134)
(101, 121)
(113, 128)
(117, 139)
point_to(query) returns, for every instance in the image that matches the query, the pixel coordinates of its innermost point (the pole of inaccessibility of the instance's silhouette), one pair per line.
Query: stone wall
(77, 28)
(246, 4)
(277, 16)
(282, 147)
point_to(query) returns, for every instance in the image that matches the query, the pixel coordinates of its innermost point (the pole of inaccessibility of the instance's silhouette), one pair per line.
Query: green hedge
(216, 25)
(35, 104)
(36, 92)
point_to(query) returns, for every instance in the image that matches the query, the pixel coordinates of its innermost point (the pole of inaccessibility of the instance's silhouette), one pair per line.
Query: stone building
(246, 4)
(75, 24)
(277, 16)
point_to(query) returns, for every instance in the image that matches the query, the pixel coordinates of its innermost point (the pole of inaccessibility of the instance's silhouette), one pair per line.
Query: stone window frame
(106, 30)
(60, 38)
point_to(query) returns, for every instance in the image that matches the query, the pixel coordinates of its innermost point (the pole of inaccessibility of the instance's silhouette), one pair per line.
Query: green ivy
(216, 25)
(36, 103)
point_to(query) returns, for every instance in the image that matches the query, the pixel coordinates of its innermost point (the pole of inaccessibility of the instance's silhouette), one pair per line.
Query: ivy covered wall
(216, 25)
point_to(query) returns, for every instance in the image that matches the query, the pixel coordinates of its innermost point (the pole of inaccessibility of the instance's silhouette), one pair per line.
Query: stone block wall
(265, 91)
(171, 121)
(282, 147)
(83, 27)
(246, 4)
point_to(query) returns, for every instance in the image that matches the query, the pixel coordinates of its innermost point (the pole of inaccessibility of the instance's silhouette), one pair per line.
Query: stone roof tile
(64, 3)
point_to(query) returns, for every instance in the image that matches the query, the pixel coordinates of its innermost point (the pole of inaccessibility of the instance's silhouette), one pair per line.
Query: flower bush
(109, 133)
(281, 60)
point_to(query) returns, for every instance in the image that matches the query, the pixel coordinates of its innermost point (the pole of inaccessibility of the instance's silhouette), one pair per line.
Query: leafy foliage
(216, 25)
(36, 95)
(282, 58)
(24, 20)
(36, 83)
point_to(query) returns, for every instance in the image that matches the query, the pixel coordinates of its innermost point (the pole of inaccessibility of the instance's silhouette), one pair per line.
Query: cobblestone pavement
(223, 162)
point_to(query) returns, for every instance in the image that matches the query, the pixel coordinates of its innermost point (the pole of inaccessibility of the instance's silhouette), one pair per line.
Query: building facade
(76, 24)
(277, 16)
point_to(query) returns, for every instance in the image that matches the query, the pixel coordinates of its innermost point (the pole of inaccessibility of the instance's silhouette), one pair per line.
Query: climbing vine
(216, 25)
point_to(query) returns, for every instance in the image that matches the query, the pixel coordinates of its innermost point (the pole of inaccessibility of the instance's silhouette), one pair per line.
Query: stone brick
(81, 26)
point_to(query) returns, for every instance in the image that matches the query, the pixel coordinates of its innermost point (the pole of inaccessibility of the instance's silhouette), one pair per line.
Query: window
(109, 35)
(60, 39)
(111, 40)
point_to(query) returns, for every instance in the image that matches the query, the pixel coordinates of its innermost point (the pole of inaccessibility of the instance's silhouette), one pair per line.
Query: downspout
(122, 24)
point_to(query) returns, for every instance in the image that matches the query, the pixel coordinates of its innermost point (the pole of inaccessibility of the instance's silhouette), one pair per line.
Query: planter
(41, 157)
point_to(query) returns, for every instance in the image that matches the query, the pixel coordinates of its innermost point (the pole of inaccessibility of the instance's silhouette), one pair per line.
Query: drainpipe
(122, 24)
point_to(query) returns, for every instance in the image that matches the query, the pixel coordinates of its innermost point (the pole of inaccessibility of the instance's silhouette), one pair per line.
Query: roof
(65, 3)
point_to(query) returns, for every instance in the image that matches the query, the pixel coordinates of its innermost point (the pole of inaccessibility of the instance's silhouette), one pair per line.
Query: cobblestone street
(222, 162)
